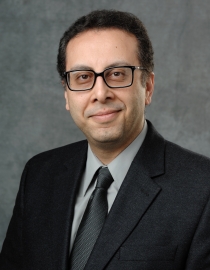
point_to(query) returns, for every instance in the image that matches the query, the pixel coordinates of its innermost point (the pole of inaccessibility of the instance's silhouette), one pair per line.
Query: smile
(105, 116)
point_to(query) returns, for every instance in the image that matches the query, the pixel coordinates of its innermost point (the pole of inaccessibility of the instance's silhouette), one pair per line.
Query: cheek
(136, 101)
(73, 108)
(76, 109)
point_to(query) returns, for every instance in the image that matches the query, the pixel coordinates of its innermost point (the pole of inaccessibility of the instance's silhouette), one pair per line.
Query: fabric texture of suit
(160, 218)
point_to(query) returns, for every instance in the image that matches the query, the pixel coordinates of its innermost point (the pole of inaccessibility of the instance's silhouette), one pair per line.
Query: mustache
(106, 107)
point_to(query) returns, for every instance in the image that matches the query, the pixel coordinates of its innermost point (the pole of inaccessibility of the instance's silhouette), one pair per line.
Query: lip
(105, 115)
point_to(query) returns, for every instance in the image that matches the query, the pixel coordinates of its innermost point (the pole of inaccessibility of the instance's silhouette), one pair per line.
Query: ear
(67, 100)
(149, 89)
(63, 83)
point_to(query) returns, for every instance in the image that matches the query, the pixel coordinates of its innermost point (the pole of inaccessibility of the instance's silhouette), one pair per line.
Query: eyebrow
(119, 63)
(115, 64)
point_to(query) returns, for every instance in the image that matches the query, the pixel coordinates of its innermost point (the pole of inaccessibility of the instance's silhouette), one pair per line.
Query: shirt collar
(118, 167)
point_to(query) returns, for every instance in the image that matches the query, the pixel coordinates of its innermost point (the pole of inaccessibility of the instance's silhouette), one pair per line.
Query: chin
(104, 139)
(108, 141)
(109, 136)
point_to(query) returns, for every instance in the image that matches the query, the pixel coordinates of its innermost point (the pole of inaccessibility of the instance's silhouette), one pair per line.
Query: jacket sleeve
(199, 254)
(11, 254)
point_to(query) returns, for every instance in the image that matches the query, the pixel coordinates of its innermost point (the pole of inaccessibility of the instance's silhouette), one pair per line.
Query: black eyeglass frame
(101, 74)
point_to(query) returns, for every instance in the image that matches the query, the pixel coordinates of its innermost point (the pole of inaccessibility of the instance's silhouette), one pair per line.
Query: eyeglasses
(114, 77)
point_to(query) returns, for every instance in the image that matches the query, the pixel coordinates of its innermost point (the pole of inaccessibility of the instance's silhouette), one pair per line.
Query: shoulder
(172, 151)
(177, 161)
(187, 173)
(186, 158)
(59, 155)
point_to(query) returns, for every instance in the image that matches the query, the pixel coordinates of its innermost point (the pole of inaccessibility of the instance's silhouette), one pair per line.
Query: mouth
(105, 116)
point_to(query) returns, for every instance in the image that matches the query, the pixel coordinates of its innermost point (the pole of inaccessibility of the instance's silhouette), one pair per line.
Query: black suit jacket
(160, 218)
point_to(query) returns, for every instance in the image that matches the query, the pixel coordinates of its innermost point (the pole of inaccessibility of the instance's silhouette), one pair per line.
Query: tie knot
(104, 178)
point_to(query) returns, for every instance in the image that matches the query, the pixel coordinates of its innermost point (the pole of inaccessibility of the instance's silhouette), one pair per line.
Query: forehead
(99, 49)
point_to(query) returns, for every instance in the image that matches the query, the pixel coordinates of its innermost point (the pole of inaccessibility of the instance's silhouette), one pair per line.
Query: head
(110, 118)
(108, 19)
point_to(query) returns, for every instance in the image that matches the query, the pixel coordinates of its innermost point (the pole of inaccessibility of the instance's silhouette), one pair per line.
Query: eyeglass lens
(114, 77)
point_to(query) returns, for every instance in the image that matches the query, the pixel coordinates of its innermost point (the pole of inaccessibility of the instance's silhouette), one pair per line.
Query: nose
(101, 92)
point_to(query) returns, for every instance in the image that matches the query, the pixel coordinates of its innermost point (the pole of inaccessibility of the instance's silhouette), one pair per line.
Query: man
(156, 194)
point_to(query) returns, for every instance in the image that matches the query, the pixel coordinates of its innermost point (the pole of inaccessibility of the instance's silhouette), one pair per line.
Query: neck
(107, 152)
(105, 155)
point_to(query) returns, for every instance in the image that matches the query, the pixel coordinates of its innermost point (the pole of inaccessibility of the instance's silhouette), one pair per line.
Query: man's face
(109, 118)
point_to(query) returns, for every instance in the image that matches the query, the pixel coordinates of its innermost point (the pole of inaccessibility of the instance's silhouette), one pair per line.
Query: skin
(110, 118)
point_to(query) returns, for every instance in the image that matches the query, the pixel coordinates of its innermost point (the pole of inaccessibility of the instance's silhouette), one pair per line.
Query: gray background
(32, 113)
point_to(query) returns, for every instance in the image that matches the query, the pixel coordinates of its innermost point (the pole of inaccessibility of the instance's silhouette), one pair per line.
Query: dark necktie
(92, 221)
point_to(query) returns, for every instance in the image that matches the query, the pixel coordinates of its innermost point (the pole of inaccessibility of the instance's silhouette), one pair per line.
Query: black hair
(103, 19)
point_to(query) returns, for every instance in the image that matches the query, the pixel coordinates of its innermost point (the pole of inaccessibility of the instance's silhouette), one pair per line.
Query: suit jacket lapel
(64, 189)
(135, 196)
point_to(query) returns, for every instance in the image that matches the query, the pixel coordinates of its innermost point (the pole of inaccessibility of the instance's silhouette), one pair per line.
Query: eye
(117, 73)
(84, 76)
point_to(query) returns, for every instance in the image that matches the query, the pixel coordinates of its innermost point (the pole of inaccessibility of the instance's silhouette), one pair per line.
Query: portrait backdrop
(32, 108)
